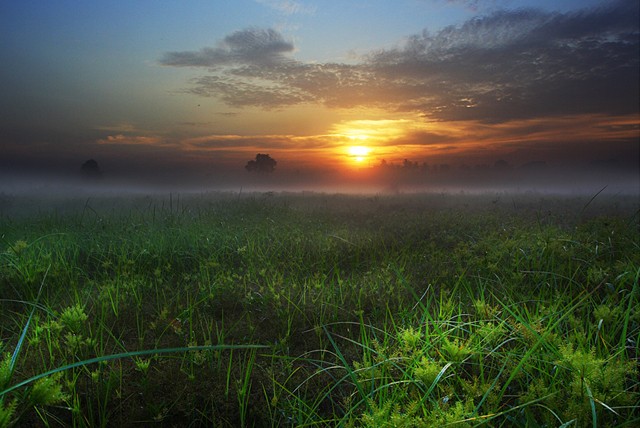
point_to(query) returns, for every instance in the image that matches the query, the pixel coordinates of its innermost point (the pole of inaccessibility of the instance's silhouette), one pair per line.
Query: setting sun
(359, 153)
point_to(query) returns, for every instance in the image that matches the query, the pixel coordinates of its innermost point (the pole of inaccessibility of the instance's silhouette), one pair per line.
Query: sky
(193, 90)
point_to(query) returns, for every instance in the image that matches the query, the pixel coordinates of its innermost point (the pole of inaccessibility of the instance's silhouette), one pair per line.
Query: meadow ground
(320, 310)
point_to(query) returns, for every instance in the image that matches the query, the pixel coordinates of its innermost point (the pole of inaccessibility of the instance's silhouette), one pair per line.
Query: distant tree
(407, 164)
(263, 163)
(91, 170)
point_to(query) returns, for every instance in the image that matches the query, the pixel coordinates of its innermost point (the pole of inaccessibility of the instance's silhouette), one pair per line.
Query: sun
(359, 153)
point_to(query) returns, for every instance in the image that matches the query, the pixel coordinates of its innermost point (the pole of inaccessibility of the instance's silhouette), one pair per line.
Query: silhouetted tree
(91, 170)
(263, 163)
(407, 164)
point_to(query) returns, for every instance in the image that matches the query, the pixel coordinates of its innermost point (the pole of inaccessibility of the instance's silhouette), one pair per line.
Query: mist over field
(391, 179)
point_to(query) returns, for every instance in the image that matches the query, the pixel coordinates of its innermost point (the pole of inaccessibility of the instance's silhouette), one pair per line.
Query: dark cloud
(522, 64)
(250, 46)
(507, 65)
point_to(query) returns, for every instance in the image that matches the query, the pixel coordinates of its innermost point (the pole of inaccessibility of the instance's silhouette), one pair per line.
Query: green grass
(320, 310)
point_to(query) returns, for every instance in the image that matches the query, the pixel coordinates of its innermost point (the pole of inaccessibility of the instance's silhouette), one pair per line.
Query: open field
(320, 310)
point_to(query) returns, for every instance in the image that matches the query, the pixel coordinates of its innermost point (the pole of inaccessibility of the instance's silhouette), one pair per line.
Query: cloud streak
(253, 46)
(508, 65)
(131, 140)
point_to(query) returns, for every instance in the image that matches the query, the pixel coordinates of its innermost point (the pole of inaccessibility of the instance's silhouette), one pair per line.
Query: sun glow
(359, 153)
(362, 143)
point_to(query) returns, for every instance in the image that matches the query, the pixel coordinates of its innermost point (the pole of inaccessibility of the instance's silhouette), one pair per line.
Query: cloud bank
(251, 47)
(508, 65)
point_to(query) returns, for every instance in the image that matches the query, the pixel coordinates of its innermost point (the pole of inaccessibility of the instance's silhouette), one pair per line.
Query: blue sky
(177, 81)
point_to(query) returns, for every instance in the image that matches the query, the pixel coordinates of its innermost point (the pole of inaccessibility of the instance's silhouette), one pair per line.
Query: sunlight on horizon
(359, 138)
(359, 154)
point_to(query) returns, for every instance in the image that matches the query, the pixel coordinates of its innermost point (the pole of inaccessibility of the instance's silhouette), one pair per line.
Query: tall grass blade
(594, 417)
(592, 198)
(630, 306)
(350, 372)
(130, 354)
(16, 351)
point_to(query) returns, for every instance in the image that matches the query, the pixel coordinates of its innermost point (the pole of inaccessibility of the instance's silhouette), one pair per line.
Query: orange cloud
(395, 139)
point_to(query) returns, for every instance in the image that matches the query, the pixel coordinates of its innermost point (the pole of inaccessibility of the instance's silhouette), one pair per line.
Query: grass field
(320, 310)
